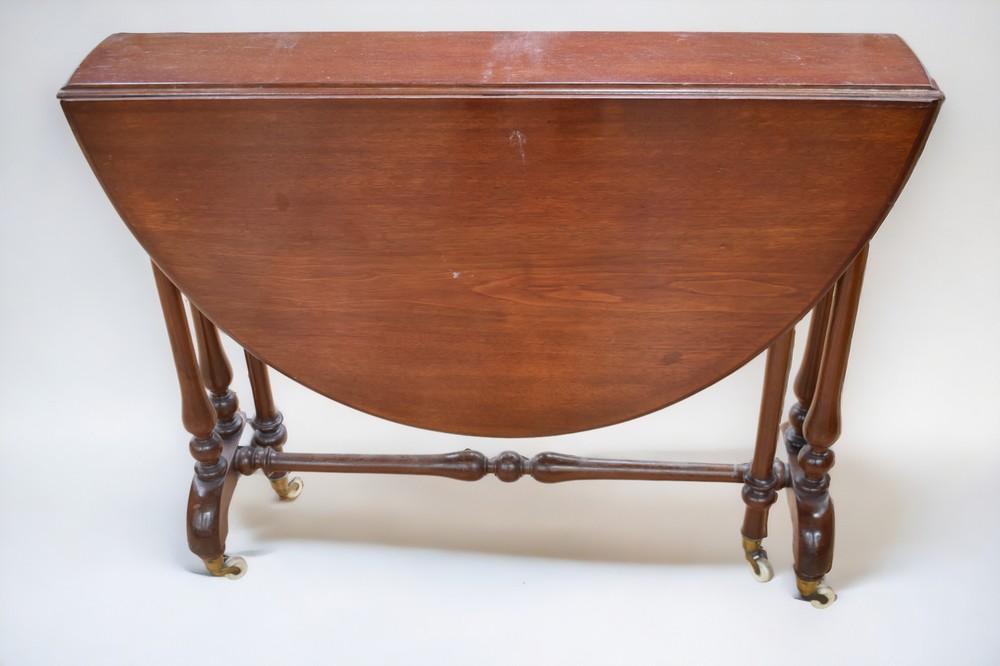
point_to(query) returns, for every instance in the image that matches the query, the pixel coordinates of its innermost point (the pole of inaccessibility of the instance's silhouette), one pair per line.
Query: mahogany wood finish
(213, 484)
(268, 423)
(509, 466)
(761, 482)
(813, 511)
(805, 380)
(507, 234)
(492, 234)
(374, 63)
(218, 375)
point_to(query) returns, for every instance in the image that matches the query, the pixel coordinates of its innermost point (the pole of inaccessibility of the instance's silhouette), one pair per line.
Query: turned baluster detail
(805, 380)
(269, 431)
(267, 423)
(212, 486)
(218, 375)
(761, 483)
(814, 511)
(197, 412)
(508, 466)
(821, 426)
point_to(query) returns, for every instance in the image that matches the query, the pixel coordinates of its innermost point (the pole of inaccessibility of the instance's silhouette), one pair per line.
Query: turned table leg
(268, 426)
(761, 480)
(217, 374)
(813, 429)
(214, 479)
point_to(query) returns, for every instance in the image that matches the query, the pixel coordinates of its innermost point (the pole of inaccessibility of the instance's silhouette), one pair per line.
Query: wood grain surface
(499, 263)
(505, 58)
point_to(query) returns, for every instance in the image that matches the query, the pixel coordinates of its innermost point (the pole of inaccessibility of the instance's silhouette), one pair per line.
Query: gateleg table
(507, 235)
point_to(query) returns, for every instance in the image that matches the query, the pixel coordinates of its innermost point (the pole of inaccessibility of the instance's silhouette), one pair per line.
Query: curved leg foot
(212, 447)
(757, 559)
(813, 522)
(286, 489)
(208, 505)
(816, 592)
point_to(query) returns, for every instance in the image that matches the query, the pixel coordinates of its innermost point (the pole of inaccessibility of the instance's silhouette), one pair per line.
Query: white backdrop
(94, 469)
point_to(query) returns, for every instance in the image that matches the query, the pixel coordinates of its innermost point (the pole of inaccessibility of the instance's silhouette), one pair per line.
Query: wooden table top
(505, 234)
(243, 62)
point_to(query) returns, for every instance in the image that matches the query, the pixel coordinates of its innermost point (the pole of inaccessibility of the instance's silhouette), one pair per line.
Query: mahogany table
(507, 235)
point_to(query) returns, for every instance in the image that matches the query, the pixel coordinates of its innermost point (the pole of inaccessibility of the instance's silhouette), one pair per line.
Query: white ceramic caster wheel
(287, 489)
(761, 569)
(238, 564)
(756, 557)
(826, 597)
(294, 489)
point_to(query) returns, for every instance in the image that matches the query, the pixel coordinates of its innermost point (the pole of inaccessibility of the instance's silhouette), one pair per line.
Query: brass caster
(756, 556)
(232, 568)
(287, 490)
(816, 592)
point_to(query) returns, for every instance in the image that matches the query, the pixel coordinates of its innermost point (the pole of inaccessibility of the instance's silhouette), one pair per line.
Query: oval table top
(502, 234)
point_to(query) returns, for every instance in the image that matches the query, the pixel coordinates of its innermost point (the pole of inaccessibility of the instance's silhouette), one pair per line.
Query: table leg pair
(215, 423)
(812, 428)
